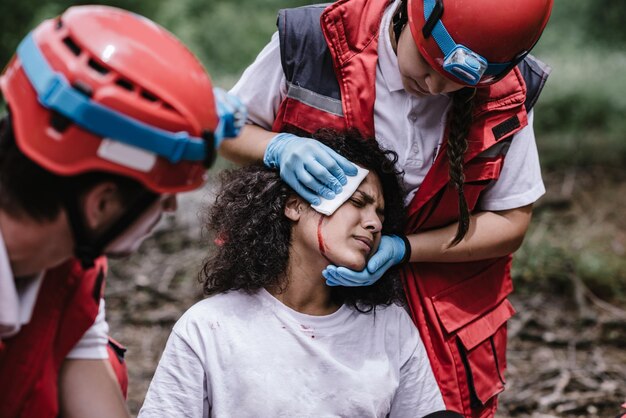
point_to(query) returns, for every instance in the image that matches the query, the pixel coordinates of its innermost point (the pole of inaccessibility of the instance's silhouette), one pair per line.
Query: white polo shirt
(17, 302)
(411, 126)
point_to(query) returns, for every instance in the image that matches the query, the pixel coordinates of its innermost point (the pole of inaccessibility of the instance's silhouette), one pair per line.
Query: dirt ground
(566, 353)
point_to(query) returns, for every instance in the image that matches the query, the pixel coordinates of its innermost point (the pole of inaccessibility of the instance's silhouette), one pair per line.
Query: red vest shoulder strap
(329, 59)
(351, 28)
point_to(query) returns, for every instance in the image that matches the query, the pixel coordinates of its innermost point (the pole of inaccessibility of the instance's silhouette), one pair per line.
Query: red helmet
(476, 42)
(103, 89)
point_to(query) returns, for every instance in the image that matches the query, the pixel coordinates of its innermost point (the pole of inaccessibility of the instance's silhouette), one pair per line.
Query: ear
(294, 207)
(101, 205)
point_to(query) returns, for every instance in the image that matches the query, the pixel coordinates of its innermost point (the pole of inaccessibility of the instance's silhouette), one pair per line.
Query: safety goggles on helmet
(467, 66)
(56, 93)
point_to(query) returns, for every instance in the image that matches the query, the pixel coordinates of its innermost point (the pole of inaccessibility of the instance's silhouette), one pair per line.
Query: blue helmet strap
(460, 61)
(55, 93)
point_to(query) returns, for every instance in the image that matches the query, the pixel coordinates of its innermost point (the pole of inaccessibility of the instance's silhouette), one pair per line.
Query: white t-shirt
(411, 126)
(17, 302)
(249, 355)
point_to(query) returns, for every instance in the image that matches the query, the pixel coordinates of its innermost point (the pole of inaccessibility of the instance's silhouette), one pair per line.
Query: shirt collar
(387, 59)
(16, 302)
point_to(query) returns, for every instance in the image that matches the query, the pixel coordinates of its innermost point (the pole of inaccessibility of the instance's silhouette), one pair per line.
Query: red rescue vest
(329, 57)
(67, 305)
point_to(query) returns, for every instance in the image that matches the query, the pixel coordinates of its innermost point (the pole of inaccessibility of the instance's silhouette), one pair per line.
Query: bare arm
(88, 388)
(491, 234)
(248, 147)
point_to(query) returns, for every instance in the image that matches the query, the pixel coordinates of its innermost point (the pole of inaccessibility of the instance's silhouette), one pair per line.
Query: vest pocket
(473, 314)
(482, 347)
(467, 302)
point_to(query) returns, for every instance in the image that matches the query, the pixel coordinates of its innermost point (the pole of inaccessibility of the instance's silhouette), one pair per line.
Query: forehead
(372, 187)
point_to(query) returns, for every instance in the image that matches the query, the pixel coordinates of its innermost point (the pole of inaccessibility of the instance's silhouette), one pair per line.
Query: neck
(306, 290)
(34, 246)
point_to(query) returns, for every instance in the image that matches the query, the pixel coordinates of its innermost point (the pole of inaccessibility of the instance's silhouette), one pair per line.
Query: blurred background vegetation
(580, 120)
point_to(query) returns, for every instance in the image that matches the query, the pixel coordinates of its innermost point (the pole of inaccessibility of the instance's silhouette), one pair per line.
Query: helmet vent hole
(72, 46)
(59, 24)
(97, 66)
(83, 87)
(168, 107)
(149, 96)
(58, 122)
(125, 84)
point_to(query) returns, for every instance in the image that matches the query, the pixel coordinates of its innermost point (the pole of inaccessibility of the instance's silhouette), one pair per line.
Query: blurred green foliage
(17, 18)
(551, 262)
(605, 20)
(225, 34)
(579, 118)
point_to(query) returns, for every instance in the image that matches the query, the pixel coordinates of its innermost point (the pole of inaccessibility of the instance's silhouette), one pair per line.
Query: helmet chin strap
(400, 19)
(88, 248)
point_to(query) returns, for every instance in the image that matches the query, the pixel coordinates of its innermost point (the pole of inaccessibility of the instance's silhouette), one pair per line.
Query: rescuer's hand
(308, 166)
(391, 251)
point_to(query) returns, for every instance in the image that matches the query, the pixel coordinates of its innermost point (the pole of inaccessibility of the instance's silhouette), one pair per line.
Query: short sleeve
(263, 86)
(418, 393)
(178, 388)
(93, 344)
(520, 181)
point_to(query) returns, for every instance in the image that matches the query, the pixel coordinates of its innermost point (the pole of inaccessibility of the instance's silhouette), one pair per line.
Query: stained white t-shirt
(411, 126)
(17, 302)
(249, 355)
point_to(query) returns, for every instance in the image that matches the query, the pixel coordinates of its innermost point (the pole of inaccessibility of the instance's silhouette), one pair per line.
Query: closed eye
(357, 202)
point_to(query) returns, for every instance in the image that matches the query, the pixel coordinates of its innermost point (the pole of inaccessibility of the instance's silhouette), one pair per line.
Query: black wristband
(407, 253)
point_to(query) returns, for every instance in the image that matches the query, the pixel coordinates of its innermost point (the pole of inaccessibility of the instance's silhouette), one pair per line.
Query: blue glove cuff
(273, 149)
(232, 114)
(407, 249)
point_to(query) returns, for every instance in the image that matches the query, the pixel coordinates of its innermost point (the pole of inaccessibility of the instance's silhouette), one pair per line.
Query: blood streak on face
(320, 237)
(320, 240)
(321, 243)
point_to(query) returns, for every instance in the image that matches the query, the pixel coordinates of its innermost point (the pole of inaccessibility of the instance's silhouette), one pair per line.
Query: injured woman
(272, 339)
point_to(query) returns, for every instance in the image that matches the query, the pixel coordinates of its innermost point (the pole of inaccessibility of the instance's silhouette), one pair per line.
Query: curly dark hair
(254, 235)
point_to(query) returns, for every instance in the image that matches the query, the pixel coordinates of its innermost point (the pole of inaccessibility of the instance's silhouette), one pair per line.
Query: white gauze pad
(328, 207)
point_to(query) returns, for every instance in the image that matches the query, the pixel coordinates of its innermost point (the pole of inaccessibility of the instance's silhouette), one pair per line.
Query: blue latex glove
(232, 114)
(391, 251)
(308, 166)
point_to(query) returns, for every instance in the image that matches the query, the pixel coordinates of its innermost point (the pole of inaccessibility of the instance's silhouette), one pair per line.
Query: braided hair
(461, 120)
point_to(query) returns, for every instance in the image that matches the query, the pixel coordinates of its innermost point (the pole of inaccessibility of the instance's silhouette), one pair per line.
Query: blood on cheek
(321, 243)
(320, 237)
